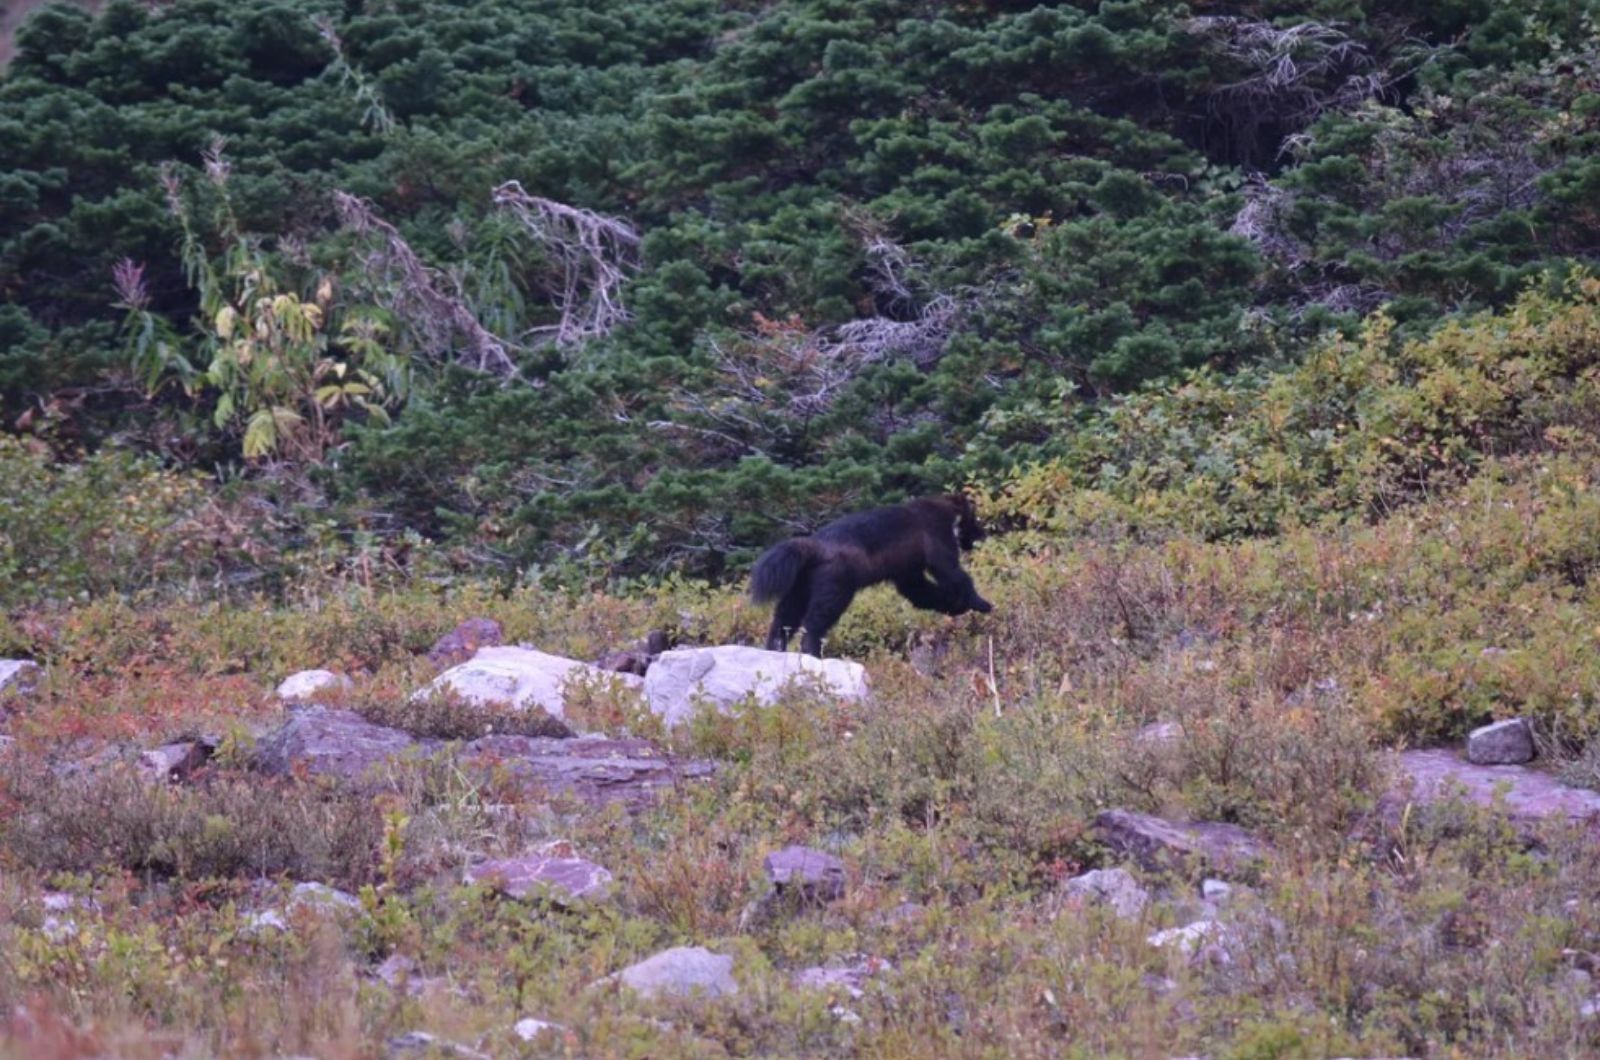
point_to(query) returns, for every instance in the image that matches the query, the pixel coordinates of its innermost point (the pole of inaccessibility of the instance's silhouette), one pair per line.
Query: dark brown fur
(813, 579)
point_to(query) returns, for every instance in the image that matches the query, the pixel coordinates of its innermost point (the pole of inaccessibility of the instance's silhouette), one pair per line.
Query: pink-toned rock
(461, 643)
(1158, 844)
(807, 874)
(1530, 797)
(551, 871)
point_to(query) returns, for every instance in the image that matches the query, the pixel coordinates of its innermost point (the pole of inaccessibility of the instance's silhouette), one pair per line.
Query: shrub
(112, 522)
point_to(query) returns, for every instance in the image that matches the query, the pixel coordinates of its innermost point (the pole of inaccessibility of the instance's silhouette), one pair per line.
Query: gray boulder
(519, 678)
(723, 676)
(1505, 743)
(682, 971)
(336, 743)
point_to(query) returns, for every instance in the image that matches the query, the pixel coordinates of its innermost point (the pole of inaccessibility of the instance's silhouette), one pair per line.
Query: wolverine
(917, 546)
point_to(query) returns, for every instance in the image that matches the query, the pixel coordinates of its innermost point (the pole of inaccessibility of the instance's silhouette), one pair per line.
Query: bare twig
(593, 255)
(413, 292)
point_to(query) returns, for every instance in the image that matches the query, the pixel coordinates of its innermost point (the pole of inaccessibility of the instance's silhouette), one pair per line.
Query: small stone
(259, 923)
(680, 972)
(1215, 890)
(321, 896)
(810, 875)
(1115, 888)
(1159, 985)
(18, 677)
(1505, 743)
(399, 973)
(311, 684)
(1187, 939)
(461, 643)
(421, 1043)
(529, 1028)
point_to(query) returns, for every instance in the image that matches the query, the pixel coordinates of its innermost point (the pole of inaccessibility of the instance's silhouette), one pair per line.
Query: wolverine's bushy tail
(779, 567)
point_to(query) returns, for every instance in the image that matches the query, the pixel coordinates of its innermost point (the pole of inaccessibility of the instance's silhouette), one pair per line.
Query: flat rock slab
(723, 676)
(520, 679)
(680, 972)
(1530, 797)
(592, 769)
(345, 746)
(532, 875)
(308, 685)
(1505, 743)
(810, 875)
(1158, 844)
(17, 676)
(422, 1044)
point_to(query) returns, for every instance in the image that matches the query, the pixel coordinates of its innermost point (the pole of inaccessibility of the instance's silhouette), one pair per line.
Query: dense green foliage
(885, 246)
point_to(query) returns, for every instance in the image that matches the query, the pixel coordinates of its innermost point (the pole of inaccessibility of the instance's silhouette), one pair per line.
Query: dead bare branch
(593, 255)
(1297, 73)
(437, 320)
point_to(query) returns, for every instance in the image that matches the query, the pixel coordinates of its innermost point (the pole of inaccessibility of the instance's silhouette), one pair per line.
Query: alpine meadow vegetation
(1265, 336)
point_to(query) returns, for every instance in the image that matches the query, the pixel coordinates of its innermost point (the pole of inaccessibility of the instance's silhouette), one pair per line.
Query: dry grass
(966, 787)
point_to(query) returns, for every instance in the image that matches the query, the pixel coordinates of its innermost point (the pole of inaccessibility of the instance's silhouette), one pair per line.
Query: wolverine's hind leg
(832, 589)
(790, 613)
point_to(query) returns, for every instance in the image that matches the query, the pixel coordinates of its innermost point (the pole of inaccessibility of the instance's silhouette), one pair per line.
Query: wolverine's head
(968, 530)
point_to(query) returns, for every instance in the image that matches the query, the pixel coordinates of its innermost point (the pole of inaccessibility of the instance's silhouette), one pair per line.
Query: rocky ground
(669, 849)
